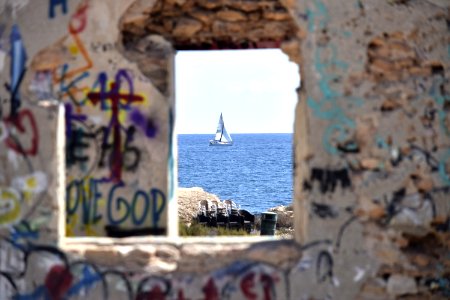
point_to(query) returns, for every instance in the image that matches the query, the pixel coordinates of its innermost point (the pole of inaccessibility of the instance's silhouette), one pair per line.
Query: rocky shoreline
(188, 205)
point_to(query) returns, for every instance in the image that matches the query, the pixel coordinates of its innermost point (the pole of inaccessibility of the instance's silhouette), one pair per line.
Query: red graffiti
(58, 282)
(247, 285)
(78, 20)
(210, 290)
(156, 293)
(116, 101)
(23, 117)
(267, 282)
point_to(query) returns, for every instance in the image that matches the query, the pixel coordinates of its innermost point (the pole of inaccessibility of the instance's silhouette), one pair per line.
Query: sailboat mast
(221, 122)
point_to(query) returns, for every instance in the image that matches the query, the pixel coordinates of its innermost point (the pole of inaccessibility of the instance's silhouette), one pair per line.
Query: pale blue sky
(254, 89)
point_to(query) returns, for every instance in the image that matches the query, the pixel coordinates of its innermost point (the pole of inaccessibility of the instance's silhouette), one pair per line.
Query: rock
(276, 15)
(254, 16)
(198, 23)
(202, 15)
(134, 23)
(187, 27)
(231, 15)
(276, 29)
(285, 215)
(370, 163)
(380, 66)
(178, 2)
(388, 256)
(291, 49)
(168, 253)
(210, 4)
(401, 285)
(421, 260)
(389, 105)
(255, 34)
(223, 28)
(188, 202)
(373, 288)
(368, 210)
(419, 71)
(375, 212)
(247, 5)
(104, 257)
(425, 184)
(273, 255)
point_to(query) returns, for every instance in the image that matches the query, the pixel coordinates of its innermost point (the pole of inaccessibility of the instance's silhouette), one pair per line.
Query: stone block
(187, 27)
(399, 285)
(231, 15)
(276, 15)
(225, 28)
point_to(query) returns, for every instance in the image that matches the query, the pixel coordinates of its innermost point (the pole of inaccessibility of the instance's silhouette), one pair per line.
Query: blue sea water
(256, 172)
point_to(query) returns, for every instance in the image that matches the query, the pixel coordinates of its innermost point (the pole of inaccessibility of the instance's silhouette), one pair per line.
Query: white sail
(219, 129)
(225, 136)
(222, 137)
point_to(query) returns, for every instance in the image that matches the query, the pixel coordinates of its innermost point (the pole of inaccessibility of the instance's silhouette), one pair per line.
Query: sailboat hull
(219, 143)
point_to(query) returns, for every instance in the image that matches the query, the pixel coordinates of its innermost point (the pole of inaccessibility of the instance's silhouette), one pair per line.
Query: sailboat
(222, 137)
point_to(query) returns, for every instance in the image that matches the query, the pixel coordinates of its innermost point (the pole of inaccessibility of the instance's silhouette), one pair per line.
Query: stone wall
(87, 149)
(373, 170)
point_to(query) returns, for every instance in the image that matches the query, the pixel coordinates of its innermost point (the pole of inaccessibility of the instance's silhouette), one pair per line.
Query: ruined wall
(86, 107)
(117, 125)
(375, 173)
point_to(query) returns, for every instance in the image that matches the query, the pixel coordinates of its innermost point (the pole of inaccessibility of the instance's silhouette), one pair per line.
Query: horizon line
(239, 133)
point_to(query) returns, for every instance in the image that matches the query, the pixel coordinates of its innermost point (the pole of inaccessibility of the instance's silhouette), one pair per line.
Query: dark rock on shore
(188, 205)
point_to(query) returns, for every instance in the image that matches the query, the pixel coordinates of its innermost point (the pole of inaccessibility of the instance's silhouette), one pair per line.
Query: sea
(256, 172)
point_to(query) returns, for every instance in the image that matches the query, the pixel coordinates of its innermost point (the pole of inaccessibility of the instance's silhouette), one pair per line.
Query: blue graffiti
(321, 11)
(155, 199)
(440, 99)
(72, 117)
(146, 125)
(88, 280)
(327, 108)
(88, 195)
(18, 67)
(22, 233)
(65, 85)
(53, 4)
(84, 196)
(40, 292)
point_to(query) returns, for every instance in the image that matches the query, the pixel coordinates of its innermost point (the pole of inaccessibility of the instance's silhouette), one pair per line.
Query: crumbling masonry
(88, 150)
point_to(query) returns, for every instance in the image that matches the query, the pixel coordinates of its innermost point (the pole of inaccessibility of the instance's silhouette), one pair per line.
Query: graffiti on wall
(104, 130)
(54, 5)
(115, 152)
(441, 98)
(21, 191)
(329, 106)
(59, 277)
(64, 279)
(328, 179)
(107, 132)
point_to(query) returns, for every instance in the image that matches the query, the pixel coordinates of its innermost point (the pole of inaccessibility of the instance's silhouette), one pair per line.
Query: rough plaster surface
(372, 150)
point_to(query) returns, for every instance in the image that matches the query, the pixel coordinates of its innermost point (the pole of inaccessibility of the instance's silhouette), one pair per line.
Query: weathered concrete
(372, 150)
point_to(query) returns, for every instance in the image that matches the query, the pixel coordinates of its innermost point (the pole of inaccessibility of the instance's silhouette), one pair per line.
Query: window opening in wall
(252, 93)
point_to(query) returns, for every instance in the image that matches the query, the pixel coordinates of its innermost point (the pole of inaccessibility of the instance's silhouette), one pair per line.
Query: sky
(254, 89)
